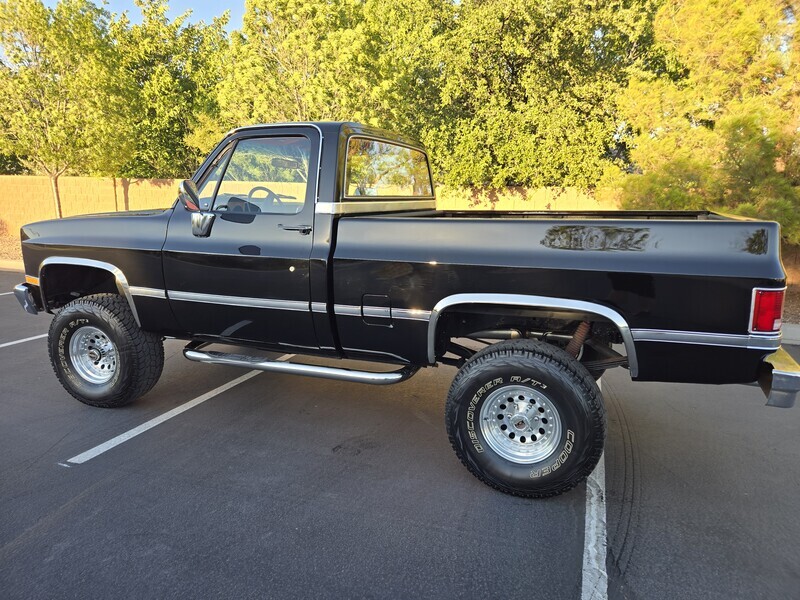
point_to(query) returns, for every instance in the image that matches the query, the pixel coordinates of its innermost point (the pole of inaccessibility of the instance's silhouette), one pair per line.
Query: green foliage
(531, 87)
(59, 89)
(719, 128)
(300, 60)
(174, 67)
(10, 164)
(681, 104)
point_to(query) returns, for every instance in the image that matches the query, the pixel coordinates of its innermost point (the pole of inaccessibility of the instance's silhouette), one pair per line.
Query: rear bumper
(779, 378)
(24, 293)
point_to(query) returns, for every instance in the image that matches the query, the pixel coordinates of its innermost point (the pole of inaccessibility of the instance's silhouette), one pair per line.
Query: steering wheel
(270, 198)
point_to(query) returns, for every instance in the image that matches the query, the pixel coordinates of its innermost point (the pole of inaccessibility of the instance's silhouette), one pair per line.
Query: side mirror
(201, 221)
(188, 195)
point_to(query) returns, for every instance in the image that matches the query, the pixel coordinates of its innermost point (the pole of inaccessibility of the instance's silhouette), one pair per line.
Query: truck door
(248, 280)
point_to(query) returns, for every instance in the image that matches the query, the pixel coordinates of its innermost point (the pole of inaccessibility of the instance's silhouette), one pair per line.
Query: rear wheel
(99, 353)
(526, 418)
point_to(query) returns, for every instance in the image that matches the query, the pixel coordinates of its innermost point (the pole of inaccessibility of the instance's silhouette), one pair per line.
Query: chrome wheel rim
(521, 424)
(93, 355)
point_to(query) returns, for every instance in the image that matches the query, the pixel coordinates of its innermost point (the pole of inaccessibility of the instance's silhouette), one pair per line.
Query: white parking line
(594, 585)
(6, 293)
(36, 337)
(124, 437)
(595, 577)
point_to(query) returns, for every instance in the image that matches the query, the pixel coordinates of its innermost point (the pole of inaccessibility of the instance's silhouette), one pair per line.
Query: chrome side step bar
(193, 352)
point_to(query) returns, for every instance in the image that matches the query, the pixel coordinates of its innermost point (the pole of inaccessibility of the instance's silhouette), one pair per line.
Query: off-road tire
(139, 354)
(561, 383)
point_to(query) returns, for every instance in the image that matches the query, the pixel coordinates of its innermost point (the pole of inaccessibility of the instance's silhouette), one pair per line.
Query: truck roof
(339, 128)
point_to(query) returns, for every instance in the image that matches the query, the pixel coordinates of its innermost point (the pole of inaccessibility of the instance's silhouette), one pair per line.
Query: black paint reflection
(598, 238)
(756, 243)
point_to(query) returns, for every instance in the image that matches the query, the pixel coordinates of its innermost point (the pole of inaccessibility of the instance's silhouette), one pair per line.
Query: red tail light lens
(767, 311)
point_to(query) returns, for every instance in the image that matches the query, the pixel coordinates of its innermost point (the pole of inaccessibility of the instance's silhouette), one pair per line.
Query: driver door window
(265, 175)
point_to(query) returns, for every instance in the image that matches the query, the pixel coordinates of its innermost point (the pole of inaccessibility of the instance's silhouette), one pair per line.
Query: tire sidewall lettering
(560, 459)
(473, 403)
(66, 332)
(560, 463)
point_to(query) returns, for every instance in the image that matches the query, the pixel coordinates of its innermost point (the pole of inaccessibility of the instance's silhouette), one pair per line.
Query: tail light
(766, 313)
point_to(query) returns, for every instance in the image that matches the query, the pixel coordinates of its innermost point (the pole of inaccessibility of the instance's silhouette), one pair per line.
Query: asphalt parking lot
(287, 487)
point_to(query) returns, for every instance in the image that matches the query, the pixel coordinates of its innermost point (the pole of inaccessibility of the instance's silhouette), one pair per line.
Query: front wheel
(99, 353)
(526, 418)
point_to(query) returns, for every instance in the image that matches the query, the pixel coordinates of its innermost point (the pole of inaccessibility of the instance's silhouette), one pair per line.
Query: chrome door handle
(303, 229)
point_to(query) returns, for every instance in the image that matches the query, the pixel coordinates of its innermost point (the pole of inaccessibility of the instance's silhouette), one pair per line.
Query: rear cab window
(386, 170)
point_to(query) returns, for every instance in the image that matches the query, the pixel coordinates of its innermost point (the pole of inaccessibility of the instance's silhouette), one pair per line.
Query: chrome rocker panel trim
(729, 340)
(294, 305)
(148, 292)
(408, 314)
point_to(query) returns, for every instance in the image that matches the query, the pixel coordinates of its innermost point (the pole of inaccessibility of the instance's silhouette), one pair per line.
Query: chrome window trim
(362, 206)
(727, 340)
(148, 292)
(526, 301)
(291, 305)
(753, 307)
(119, 277)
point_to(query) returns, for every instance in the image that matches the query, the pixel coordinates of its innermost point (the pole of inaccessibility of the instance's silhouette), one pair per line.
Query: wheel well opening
(61, 284)
(463, 330)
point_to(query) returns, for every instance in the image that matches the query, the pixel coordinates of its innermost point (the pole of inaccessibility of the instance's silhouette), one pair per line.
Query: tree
(531, 88)
(11, 165)
(280, 63)
(718, 128)
(61, 91)
(174, 67)
(301, 60)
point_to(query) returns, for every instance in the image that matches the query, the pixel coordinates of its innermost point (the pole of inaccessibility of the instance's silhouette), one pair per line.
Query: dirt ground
(10, 250)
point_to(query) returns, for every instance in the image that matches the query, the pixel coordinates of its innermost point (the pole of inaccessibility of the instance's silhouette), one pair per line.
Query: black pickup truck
(324, 239)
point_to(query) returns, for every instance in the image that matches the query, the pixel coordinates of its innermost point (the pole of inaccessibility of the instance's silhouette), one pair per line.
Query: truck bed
(642, 264)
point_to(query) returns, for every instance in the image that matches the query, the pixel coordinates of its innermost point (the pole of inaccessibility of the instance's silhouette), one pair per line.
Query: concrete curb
(12, 265)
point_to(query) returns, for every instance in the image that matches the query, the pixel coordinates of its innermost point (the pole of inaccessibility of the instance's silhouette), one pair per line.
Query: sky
(201, 11)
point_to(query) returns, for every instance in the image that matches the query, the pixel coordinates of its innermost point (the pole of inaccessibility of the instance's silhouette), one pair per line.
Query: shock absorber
(578, 338)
